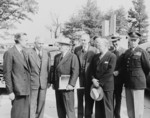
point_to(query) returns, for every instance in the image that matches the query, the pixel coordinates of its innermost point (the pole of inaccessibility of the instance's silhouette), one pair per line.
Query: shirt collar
(18, 48)
(37, 51)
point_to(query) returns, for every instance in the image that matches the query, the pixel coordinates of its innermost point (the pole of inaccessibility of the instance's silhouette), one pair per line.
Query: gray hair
(104, 41)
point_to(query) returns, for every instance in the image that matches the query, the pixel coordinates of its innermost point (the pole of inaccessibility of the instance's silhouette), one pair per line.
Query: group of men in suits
(26, 73)
(112, 70)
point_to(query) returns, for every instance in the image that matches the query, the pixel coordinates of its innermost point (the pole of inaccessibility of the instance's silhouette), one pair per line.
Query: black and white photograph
(74, 58)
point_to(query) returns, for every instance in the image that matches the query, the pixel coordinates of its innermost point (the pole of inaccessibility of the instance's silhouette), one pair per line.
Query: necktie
(40, 55)
(21, 52)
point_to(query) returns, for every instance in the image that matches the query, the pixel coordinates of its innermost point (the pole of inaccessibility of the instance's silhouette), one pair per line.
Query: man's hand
(116, 73)
(95, 82)
(11, 96)
(48, 85)
(69, 87)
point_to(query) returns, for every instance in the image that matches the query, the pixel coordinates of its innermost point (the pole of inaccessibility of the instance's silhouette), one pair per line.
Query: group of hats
(133, 34)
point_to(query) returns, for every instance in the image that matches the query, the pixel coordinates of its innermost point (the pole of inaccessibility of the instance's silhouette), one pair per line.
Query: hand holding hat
(96, 93)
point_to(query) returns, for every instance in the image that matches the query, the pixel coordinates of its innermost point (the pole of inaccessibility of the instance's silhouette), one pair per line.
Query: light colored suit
(40, 70)
(17, 78)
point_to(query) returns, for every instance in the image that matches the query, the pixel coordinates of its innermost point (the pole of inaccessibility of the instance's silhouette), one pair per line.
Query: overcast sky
(65, 9)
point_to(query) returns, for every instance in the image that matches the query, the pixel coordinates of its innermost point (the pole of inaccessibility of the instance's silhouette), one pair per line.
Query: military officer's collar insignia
(138, 53)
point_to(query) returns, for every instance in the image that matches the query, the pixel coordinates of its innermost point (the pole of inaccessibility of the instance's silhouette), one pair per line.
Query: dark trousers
(89, 103)
(117, 99)
(20, 107)
(37, 103)
(80, 96)
(65, 103)
(104, 108)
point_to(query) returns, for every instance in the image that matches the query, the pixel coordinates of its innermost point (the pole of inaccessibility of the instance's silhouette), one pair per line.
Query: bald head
(38, 42)
(101, 43)
(38, 39)
(85, 39)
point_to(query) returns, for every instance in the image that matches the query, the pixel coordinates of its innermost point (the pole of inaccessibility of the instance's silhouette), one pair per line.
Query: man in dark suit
(39, 62)
(65, 63)
(85, 53)
(102, 68)
(136, 68)
(17, 77)
(118, 51)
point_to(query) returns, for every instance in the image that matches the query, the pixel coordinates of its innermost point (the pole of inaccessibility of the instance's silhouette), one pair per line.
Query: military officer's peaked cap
(134, 35)
(115, 38)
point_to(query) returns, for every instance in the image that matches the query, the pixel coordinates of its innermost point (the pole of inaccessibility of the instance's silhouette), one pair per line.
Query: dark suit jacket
(119, 54)
(67, 66)
(102, 69)
(40, 69)
(136, 67)
(85, 58)
(16, 72)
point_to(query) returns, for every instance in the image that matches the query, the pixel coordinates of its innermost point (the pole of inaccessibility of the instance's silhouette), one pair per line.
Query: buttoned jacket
(136, 67)
(85, 59)
(102, 69)
(40, 68)
(68, 65)
(16, 72)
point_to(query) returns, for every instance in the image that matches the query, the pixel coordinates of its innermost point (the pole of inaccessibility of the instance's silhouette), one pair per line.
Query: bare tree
(55, 26)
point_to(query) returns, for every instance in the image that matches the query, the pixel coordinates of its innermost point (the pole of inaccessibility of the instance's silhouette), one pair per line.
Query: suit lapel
(18, 55)
(35, 57)
(81, 56)
(104, 57)
(43, 57)
(26, 58)
(65, 58)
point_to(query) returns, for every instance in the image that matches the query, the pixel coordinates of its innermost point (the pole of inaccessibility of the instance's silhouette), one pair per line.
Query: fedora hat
(64, 41)
(96, 93)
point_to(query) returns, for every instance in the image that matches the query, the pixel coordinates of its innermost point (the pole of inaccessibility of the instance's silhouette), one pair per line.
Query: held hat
(96, 93)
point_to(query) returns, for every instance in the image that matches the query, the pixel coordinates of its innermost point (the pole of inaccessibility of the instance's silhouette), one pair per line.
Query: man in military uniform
(118, 51)
(136, 67)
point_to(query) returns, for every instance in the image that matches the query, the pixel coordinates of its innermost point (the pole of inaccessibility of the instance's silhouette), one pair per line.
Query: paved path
(50, 108)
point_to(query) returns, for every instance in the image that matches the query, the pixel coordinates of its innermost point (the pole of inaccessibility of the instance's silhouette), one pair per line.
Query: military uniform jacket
(68, 65)
(85, 59)
(136, 66)
(102, 69)
(40, 68)
(16, 72)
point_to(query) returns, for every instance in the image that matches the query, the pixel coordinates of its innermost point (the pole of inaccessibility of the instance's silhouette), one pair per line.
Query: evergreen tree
(121, 20)
(138, 19)
(88, 19)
